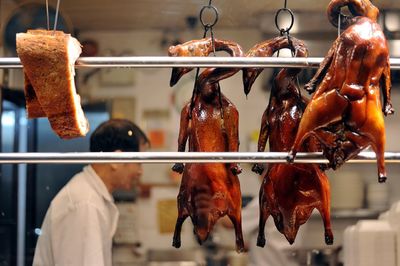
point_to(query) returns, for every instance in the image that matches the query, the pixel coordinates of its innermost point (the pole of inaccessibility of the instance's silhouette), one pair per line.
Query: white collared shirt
(79, 225)
(272, 254)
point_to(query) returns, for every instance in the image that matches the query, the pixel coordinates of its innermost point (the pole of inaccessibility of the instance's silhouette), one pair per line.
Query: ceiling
(87, 15)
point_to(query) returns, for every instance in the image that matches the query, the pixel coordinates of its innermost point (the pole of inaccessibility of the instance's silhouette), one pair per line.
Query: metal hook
(284, 30)
(213, 8)
(207, 27)
(290, 44)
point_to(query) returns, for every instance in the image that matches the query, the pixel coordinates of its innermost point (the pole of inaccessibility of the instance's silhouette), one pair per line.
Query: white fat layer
(74, 50)
(82, 121)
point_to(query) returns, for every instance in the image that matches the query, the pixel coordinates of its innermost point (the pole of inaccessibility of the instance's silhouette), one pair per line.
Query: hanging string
(212, 40)
(339, 24)
(56, 18)
(285, 31)
(47, 14)
(195, 84)
(208, 27)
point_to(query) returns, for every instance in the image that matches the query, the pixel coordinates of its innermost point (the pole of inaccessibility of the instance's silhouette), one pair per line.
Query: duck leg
(183, 136)
(322, 111)
(262, 141)
(182, 215)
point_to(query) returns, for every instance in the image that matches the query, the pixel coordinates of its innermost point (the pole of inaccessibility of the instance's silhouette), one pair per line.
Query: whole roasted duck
(210, 123)
(345, 113)
(288, 192)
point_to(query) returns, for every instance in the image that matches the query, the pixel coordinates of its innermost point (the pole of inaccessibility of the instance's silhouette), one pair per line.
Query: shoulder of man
(75, 193)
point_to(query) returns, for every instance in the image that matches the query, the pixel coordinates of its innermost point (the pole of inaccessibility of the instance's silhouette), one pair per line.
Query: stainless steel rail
(165, 61)
(182, 157)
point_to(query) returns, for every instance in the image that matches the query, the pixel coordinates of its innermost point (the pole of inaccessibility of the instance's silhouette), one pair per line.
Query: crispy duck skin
(201, 47)
(209, 191)
(346, 103)
(288, 192)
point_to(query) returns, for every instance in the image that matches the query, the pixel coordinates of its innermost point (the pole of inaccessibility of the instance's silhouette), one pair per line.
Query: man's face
(128, 174)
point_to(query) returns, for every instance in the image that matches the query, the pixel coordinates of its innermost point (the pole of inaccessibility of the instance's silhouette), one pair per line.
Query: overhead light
(267, 23)
(392, 21)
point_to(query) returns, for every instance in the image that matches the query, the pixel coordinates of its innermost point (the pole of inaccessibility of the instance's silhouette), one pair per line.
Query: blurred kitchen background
(148, 214)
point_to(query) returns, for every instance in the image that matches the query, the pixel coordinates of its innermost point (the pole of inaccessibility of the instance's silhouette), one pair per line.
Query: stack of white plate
(349, 247)
(370, 243)
(393, 217)
(377, 196)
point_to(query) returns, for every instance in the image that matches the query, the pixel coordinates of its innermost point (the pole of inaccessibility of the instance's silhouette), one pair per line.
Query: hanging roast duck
(288, 192)
(210, 122)
(345, 112)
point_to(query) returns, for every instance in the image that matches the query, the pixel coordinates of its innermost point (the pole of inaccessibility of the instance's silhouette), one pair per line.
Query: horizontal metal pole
(180, 157)
(165, 61)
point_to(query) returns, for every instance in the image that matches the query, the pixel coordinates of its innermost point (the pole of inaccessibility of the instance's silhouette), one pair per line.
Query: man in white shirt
(273, 253)
(81, 221)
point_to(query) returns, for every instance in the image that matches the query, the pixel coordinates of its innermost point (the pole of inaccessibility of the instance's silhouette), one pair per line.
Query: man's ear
(114, 166)
(144, 146)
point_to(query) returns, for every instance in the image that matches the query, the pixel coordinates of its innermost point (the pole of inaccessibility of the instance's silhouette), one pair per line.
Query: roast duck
(345, 113)
(209, 121)
(288, 192)
(48, 59)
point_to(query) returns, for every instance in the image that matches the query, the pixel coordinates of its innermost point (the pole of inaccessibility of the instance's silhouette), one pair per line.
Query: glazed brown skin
(357, 7)
(288, 192)
(209, 191)
(201, 47)
(348, 93)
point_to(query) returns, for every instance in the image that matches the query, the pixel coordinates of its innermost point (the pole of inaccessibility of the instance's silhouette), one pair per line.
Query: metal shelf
(167, 62)
(184, 157)
(180, 157)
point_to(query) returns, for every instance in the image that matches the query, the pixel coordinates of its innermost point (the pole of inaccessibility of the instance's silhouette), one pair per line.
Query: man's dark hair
(117, 134)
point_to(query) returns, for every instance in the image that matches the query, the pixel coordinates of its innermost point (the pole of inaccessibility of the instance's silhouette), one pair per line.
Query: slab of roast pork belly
(48, 59)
